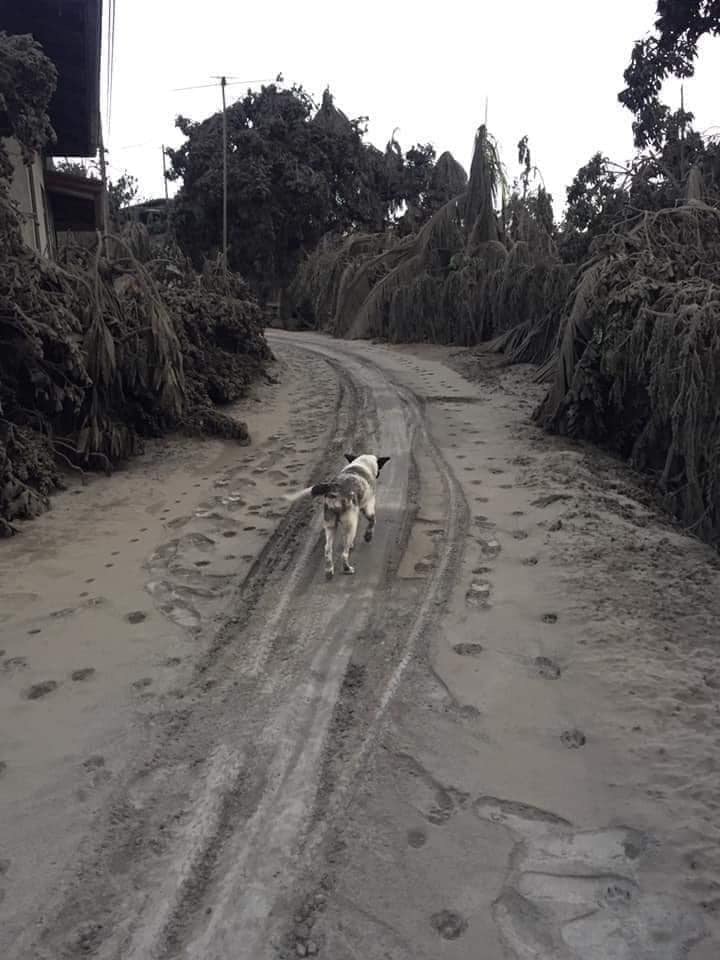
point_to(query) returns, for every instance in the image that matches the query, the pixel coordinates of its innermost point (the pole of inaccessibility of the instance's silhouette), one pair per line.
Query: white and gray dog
(351, 493)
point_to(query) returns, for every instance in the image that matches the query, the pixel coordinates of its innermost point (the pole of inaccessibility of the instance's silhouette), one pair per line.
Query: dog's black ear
(350, 457)
(381, 462)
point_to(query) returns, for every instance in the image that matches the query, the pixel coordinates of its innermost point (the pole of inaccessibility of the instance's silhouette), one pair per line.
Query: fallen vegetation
(618, 305)
(638, 364)
(466, 276)
(109, 347)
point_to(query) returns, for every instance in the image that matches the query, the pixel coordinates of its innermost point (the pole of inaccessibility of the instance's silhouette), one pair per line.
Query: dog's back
(351, 492)
(347, 492)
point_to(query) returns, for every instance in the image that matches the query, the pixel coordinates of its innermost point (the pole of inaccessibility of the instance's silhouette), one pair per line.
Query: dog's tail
(319, 490)
(292, 497)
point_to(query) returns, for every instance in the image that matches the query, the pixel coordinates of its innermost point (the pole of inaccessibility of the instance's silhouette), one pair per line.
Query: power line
(199, 86)
(239, 83)
(112, 62)
(110, 58)
(107, 64)
(136, 146)
(234, 83)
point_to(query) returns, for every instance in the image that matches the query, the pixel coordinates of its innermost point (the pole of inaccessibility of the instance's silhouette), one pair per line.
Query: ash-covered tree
(295, 174)
(670, 51)
(604, 193)
(27, 82)
(425, 184)
(122, 192)
(528, 212)
(596, 199)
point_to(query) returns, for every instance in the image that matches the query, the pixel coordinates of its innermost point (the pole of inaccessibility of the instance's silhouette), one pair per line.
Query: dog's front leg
(369, 514)
(349, 525)
(329, 544)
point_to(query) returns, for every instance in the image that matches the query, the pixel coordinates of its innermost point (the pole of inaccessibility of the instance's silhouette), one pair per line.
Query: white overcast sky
(549, 70)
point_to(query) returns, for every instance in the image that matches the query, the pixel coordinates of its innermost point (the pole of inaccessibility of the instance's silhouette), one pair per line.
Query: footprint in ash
(547, 668)
(449, 924)
(468, 649)
(573, 739)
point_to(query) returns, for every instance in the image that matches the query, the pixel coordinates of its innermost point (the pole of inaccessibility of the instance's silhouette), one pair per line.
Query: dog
(351, 493)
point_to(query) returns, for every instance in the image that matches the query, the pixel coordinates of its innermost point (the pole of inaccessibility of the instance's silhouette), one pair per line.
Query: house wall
(27, 190)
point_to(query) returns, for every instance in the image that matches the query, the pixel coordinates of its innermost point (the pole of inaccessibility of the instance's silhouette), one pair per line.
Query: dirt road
(499, 739)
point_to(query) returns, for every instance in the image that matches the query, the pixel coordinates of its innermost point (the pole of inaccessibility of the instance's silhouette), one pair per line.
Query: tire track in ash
(215, 818)
(258, 865)
(178, 799)
(413, 624)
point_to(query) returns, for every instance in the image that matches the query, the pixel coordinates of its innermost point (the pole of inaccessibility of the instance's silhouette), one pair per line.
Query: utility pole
(682, 131)
(103, 178)
(167, 202)
(223, 81)
(165, 174)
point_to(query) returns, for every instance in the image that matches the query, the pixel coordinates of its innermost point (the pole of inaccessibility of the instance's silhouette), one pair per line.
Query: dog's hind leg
(349, 528)
(369, 514)
(330, 526)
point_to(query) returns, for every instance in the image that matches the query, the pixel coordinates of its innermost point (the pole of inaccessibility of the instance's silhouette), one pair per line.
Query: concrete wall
(27, 190)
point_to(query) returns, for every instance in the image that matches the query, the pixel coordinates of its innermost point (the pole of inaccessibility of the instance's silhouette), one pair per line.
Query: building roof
(72, 183)
(158, 202)
(70, 34)
(75, 201)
